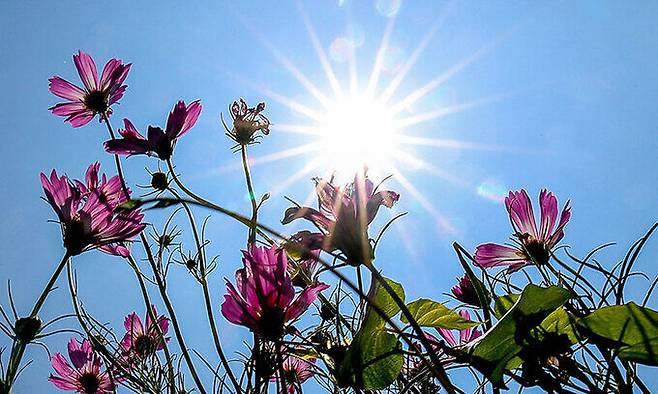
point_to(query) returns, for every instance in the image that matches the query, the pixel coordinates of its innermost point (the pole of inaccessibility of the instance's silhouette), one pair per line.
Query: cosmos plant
(314, 310)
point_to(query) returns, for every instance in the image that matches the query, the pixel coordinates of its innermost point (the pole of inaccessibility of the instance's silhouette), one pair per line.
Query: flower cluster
(87, 212)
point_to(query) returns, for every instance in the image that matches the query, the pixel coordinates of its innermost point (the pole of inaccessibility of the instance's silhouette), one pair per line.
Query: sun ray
(288, 64)
(443, 223)
(379, 58)
(307, 169)
(281, 99)
(322, 55)
(441, 78)
(298, 129)
(447, 110)
(425, 166)
(399, 77)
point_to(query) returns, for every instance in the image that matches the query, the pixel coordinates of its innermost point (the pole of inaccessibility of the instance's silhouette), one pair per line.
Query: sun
(357, 131)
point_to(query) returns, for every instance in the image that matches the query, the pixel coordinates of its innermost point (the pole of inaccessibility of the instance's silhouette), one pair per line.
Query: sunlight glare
(358, 131)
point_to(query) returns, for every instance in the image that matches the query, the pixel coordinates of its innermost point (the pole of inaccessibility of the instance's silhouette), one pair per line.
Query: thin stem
(156, 272)
(18, 347)
(206, 295)
(252, 196)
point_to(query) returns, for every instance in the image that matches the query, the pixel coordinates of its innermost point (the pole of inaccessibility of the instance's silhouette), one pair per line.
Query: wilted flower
(247, 122)
(466, 335)
(532, 246)
(465, 292)
(296, 371)
(262, 298)
(97, 96)
(85, 375)
(143, 341)
(343, 216)
(86, 212)
(27, 328)
(158, 142)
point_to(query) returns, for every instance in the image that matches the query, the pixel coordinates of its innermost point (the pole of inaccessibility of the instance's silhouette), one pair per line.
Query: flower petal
(494, 255)
(65, 89)
(304, 300)
(87, 70)
(519, 206)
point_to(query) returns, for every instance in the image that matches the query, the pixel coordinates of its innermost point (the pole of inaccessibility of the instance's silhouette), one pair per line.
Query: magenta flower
(263, 298)
(465, 292)
(143, 341)
(86, 212)
(295, 372)
(158, 142)
(343, 216)
(466, 336)
(531, 246)
(85, 375)
(97, 97)
(247, 122)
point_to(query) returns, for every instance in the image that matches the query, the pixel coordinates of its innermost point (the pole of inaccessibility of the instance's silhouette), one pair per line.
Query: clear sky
(556, 94)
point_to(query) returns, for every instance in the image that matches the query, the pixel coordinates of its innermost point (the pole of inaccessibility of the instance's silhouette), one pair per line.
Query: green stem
(206, 296)
(252, 195)
(18, 347)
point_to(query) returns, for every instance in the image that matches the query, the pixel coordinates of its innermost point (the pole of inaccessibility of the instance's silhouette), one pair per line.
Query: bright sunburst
(359, 123)
(357, 131)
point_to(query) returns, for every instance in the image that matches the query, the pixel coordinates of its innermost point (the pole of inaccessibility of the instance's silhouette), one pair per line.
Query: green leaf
(643, 353)
(374, 358)
(497, 350)
(428, 313)
(630, 328)
(382, 299)
(504, 304)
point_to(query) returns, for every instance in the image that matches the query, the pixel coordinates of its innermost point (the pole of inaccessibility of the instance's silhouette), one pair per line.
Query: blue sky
(562, 94)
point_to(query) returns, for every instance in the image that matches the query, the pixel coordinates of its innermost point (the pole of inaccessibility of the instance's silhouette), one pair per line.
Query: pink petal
(80, 119)
(559, 230)
(65, 89)
(494, 255)
(304, 300)
(548, 205)
(133, 324)
(67, 109)
(519, 206)
(87, 70)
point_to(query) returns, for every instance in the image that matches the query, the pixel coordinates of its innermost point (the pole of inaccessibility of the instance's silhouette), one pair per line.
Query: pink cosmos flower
(343, 216)
(465, 292)
(465, 336)
(263, 298)
(85, 375)
(86, 212)
(247, 122)
(97, 97)
(142, 341)
(532, 245)
(158, 142)
(296, 371)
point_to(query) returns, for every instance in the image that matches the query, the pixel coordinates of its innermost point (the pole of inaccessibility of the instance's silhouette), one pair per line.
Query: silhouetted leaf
(499, 348)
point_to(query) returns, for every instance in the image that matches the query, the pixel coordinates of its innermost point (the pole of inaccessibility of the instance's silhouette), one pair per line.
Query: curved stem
(157, 274)
(147, 301)
(206, 296)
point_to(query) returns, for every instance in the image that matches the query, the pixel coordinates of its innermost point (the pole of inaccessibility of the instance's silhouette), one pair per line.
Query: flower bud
(27, 328)
(159, 181)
